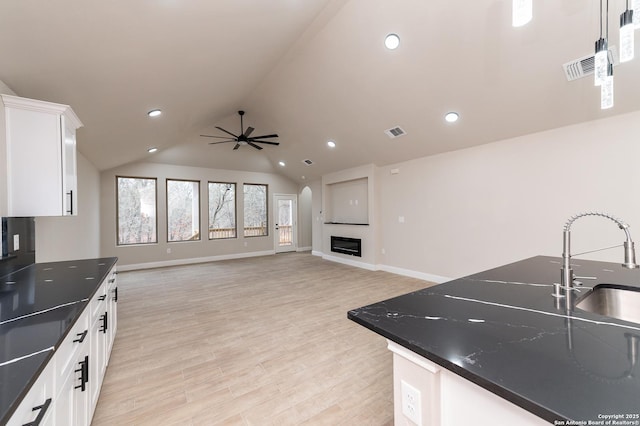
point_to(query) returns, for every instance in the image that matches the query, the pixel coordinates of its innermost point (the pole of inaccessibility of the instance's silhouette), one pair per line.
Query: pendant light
(522, 12)
(627, 30)
(601, 58)
(606, 89)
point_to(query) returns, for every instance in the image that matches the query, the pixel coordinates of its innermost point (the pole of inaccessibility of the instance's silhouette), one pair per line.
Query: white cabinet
(41, 158)
(426, 394)
(67, 390)
(37, 407)
(98, 331)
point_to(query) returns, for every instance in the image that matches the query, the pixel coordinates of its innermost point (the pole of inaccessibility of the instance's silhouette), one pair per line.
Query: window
(136, 205)
(255, 210)
(222, 210)
(183, 210)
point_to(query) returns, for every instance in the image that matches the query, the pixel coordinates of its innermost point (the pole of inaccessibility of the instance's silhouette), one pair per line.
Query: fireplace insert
(344, 245)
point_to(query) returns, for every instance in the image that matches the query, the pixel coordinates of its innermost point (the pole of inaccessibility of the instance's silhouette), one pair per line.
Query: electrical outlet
(168, 251)
(16, 242)
(411, 406)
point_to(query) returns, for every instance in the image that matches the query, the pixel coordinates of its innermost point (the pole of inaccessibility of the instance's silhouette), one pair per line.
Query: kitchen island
(518, 349)
(39, 306)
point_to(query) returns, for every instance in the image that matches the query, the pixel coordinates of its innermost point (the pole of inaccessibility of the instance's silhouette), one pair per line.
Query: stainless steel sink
(613, 301)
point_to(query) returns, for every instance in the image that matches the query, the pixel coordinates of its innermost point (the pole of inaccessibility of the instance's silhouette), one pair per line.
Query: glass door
(285, 217)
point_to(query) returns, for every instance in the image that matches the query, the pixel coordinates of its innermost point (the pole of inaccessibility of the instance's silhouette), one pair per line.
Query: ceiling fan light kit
(244, 138)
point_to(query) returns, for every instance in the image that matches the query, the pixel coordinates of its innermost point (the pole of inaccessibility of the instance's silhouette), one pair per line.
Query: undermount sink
(613, 301)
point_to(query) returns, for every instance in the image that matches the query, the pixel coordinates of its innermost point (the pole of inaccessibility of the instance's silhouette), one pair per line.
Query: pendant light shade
(601, 61)
(606, 89)
(522, 12)
(627, 36)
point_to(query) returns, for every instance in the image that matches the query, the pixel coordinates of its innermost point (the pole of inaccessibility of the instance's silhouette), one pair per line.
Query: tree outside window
(222, 210)
(183, 210)
(136, 205)
(255, 210)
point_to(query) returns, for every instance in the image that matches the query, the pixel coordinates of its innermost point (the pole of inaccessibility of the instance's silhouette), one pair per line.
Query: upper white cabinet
(41, 158)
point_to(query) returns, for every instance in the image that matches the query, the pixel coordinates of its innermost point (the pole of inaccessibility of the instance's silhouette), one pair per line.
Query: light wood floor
(255, 341)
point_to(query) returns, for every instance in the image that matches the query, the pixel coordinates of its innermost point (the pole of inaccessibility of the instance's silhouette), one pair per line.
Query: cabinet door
(97, 355)
(38, 405)
(72, 405)
(34, 166)
(69, 168)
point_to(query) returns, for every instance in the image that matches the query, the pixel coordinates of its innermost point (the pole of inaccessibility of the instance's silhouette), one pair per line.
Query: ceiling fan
(244, 138)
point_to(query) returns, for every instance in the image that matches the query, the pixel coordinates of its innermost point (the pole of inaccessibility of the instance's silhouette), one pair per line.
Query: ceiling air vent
(395, 132)
(583, 67)
(307, 162)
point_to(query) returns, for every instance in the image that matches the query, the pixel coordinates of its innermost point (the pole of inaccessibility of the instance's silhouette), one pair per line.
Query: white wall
(148, 255)
(73, 237)
(477, 208)
(316, 217)
(305, 197)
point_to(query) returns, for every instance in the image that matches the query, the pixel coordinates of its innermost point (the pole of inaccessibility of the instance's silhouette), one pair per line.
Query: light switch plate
(16, 242)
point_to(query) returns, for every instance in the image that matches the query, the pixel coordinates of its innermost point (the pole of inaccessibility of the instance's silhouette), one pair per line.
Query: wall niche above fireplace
(347, 202)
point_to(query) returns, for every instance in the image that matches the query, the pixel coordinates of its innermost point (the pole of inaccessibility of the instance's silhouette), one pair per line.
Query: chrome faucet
(567, 277)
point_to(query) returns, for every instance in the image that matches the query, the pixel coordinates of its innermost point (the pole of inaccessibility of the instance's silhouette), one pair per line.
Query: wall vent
(307, 162)
(583, 67)
(395, 132)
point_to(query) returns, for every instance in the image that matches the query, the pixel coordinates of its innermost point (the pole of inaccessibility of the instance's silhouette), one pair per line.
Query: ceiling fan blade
(268, 142)
(215, 143)
(220, 128)
(236, 147)
(265, 136)
(254, 145)
(248, 132)
(219, 137)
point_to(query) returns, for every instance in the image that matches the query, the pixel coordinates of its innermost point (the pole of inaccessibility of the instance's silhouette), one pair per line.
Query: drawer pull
(104, 296)
(112, 280)
(84, 374)
(43, 410)
(115, 294)
(81, 337)
(105, 323)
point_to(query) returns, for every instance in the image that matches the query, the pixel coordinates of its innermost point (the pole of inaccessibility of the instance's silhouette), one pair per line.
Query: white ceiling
(309, 70)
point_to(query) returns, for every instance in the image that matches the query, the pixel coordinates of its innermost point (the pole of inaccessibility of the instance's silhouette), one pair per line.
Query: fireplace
(344, 245)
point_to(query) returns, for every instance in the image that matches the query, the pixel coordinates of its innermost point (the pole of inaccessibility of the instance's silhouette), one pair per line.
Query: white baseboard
(304, 249)
(414, 274)
(191, 261)
(317, 253)
(350, 262)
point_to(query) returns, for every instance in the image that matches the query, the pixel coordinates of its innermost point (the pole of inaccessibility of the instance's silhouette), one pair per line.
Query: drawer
(77, 340)
(98, 302)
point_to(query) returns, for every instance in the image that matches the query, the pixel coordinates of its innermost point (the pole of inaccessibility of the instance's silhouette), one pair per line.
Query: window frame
(235, 209)
(155, 180)
(166, 212)
(244, 209)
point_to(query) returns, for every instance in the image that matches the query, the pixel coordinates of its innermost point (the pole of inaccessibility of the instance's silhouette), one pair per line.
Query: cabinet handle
(115, 294)
(84, 374)
(112, 280)
(104, 296)
(70, 194)
(81, 337)
(43, 410)
(104, 323)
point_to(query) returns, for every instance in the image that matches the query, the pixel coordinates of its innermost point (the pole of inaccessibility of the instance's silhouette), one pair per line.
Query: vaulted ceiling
(309, 70)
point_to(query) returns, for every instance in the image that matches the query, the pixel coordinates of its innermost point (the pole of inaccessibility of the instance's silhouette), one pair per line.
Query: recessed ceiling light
(331, 144)
(392, 41)
(451, 117)
(154, 113)
(152, 150)
(281, 163)
(303, 177)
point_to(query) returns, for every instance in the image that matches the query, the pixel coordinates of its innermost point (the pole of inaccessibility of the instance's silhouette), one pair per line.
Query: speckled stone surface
(503, 330)
(38, 306)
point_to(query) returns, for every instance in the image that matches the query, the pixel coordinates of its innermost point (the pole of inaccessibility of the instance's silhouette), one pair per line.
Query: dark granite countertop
(502, 329)
(38, 306)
